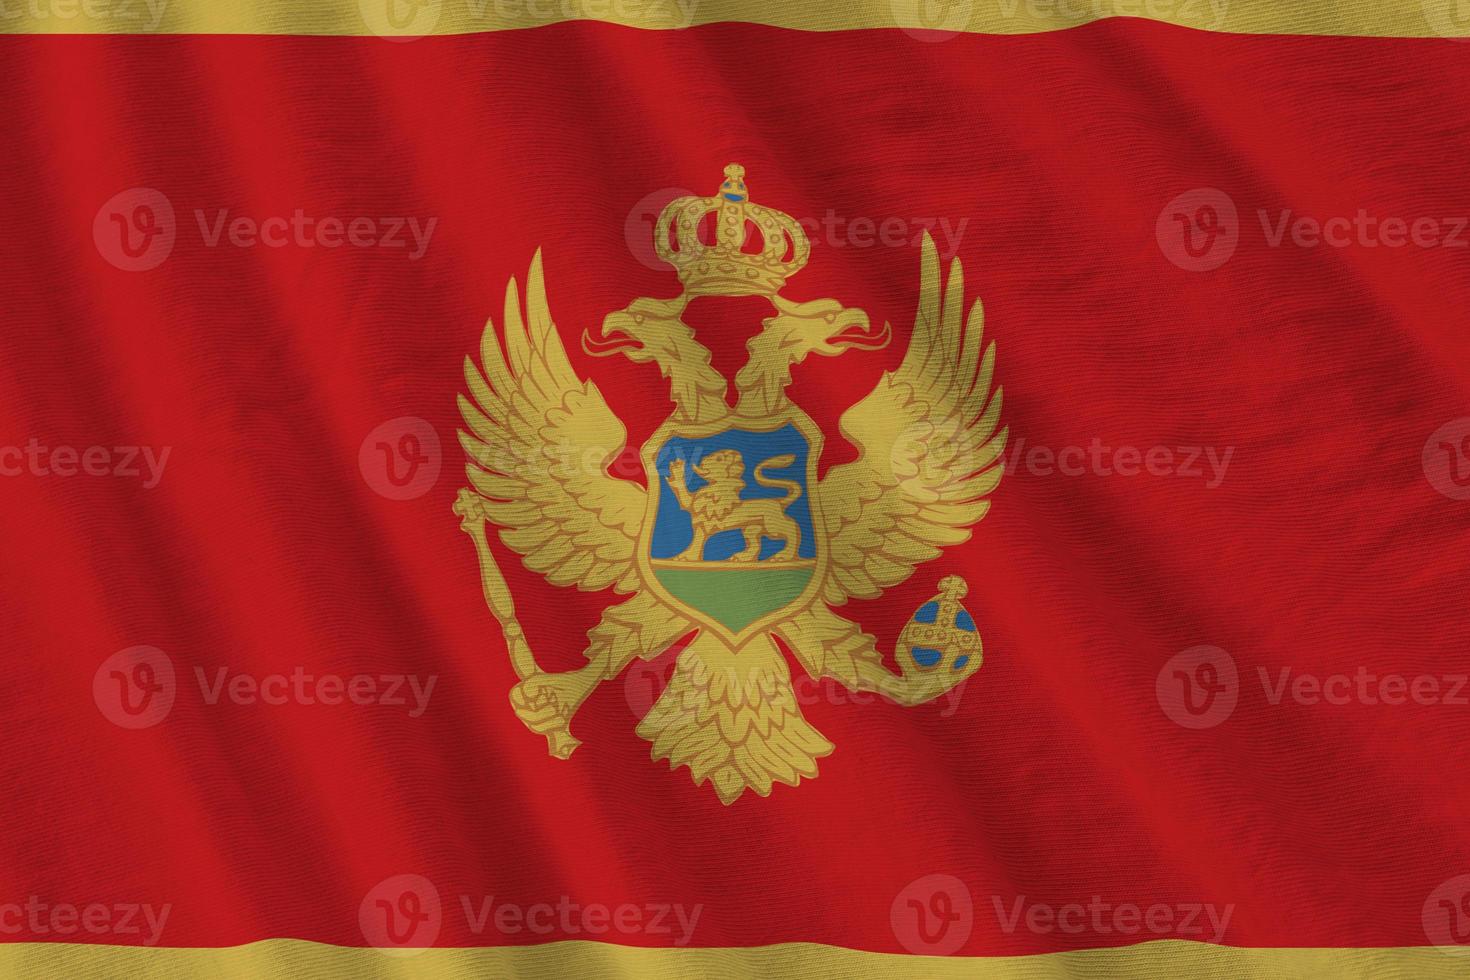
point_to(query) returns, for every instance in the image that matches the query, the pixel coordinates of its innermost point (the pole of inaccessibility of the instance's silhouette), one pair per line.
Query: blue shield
(734, 536)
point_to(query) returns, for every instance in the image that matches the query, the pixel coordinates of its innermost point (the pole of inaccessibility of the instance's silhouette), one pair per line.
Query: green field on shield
(735, 598)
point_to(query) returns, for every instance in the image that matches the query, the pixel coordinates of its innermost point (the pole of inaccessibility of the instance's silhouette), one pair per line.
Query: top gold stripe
(927, 19)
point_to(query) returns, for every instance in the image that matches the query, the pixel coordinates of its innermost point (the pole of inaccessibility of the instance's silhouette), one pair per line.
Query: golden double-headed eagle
(733, 540)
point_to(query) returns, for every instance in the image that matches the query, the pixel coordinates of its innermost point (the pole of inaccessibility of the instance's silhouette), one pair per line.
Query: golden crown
(726, 268)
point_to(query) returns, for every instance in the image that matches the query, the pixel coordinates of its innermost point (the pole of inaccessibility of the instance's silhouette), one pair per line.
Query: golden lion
(717, 506)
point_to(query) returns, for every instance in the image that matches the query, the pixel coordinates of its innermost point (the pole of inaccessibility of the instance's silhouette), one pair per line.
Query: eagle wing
(535, 429)
(929, 449)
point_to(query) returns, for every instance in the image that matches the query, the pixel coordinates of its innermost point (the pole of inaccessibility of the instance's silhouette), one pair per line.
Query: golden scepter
(470, 508)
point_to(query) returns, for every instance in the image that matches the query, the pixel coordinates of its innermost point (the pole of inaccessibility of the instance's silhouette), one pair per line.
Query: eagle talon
(545, 703)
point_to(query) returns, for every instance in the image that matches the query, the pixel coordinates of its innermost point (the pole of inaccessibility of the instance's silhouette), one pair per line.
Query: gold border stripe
(555, 961)
(413, 18)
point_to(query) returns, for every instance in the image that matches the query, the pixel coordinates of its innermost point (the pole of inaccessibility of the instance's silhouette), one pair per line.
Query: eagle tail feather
(731, 717)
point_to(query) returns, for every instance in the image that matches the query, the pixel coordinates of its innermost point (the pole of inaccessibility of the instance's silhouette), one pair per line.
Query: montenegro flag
(735, 488)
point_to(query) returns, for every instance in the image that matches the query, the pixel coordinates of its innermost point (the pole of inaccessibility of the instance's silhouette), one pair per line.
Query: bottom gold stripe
(555, 961)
